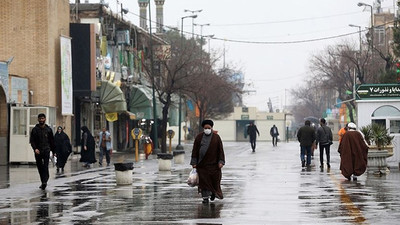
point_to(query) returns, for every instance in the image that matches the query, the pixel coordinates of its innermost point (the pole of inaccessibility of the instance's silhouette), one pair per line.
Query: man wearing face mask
(208, 158)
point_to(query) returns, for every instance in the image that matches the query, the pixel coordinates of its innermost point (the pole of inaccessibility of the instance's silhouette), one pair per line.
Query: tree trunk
(350, 108)
(164, 124)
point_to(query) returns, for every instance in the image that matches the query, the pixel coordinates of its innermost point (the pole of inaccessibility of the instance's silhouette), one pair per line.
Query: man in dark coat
(208, 158)
(353, 153)
(306, 137)
(88, 148)
(274, 134)
(63, 148)
(324, 138)
(252, 131)
(42, 142)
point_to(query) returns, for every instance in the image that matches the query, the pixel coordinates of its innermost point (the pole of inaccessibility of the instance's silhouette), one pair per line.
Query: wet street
(265, 187)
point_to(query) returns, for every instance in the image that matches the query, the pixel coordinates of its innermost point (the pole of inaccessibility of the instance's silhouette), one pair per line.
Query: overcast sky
(269, 68)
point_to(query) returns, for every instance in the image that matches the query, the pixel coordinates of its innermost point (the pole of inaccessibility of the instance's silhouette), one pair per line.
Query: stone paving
(265, 187)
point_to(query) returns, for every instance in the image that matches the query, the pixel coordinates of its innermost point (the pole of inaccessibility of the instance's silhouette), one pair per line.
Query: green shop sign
(374, 91)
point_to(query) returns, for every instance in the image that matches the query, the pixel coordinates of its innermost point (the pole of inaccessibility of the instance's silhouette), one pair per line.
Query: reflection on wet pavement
(268, 187)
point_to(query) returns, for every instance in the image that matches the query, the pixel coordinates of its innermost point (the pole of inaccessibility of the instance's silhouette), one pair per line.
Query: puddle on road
(151, 197)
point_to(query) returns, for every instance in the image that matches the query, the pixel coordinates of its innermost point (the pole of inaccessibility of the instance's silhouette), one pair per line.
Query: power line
(285, 21)
(266, 42)
(285, 42)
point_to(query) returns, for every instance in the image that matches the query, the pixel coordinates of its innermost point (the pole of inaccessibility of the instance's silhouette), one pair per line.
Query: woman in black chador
(88, 145)
(63, 148)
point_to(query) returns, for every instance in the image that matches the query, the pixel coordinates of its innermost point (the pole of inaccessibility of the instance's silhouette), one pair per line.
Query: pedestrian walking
(306, 137)
(63, 148)
(208, 158)
(105, 146)
(324, 138)
(342, 131)
(353, 153)
(87, 148)
(252, 131)
(274, 133)
(42, 142)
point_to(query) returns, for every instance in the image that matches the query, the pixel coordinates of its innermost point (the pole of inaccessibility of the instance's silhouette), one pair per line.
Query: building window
(394, 126)
(380, 34)
(245, 109)
(386, 111)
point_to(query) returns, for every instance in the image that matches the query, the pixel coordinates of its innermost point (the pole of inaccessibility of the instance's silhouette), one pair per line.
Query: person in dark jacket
(63, 148)
(252, 131)
(208, 158)
(42, 142)
(274, 134)
(87, 148)
(324, 138)
(306, 137)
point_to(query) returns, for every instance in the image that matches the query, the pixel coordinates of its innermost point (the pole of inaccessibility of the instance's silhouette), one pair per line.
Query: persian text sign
(370, 91)
(66, 76)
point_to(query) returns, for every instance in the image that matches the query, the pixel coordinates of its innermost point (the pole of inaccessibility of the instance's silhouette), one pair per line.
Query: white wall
(364, 117)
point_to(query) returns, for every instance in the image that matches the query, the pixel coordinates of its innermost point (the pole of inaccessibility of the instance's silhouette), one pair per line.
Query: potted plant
(380, 147)
(378, 135)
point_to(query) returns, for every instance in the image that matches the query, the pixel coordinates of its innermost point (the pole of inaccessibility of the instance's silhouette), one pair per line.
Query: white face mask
(207, 131)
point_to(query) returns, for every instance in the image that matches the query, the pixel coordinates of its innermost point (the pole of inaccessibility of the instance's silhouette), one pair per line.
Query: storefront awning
(141, 102)
(111, 98)
(173, 113)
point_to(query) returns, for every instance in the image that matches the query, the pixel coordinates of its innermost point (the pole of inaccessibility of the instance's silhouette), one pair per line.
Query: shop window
(19, 122)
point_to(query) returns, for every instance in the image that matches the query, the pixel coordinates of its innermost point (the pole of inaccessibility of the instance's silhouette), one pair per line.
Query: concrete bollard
(179, 156)
(123, 173)
(164, 161)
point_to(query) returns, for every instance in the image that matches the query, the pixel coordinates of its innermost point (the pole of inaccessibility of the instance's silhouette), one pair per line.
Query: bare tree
(173, 75)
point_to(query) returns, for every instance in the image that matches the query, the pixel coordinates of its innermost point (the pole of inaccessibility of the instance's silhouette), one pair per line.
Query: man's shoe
(205, 200)
(212, 198)
(303, 163)
(328, 165)
(43, 186)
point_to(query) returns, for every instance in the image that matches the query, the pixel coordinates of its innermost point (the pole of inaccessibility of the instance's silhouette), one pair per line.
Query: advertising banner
(66, 76)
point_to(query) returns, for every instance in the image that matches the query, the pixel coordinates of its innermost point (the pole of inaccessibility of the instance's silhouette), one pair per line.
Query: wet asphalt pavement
(265, 187)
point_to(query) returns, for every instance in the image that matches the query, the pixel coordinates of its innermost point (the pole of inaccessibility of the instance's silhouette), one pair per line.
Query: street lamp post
(155, 141)
(201, 61)
(193, 12)
(372, 21)
(359, 33)
(179, 146)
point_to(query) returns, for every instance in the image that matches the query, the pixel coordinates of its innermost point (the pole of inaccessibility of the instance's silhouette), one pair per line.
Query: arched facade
(3, 128)
(385, 112)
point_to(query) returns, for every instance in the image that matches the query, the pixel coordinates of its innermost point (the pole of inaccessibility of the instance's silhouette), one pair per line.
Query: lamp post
(193, 12)
(179, 146)
(155, 141)
(359, 33)
(201, 61)
(372, 21)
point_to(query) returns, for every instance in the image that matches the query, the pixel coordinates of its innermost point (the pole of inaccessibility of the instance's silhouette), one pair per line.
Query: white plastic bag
(193, 179)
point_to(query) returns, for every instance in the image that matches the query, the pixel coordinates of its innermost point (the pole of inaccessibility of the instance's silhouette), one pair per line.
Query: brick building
(30, 32)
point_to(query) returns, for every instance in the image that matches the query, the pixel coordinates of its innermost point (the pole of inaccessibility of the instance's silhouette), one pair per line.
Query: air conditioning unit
(123, 37)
